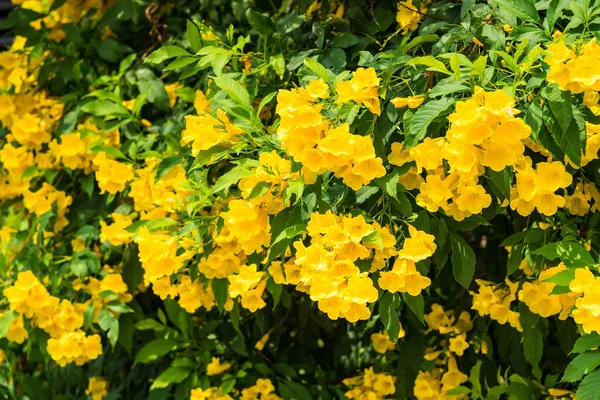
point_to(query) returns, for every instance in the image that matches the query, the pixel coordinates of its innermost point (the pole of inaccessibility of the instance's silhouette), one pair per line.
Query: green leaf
(459, 390)
(589, 388)
(572, 254)
(219, 287)
(524, 9)
(586, 342)
(260, 189)
(364, 193)
(293, 390)
(343, 40)
(419, 40)
(166, 165)
(103, 108)
(154, 349)
(230, 178)
(502, 181)
(431, 62)
(559, 103)
(424, 116)
(110, 151)
(388, 312)
(317, 68)
(275, 290)
(193, 35)
(581, 365)
(119, 307)
(416, 304)
(149, 324)
(169, 376)
(463, 260)
(262, 24)
(563, 278)
(5, 322)
(180, 63)
(210, 156)
(109, 324)
(235, 90)
(533, 343)
(165, 53)
(389, 185)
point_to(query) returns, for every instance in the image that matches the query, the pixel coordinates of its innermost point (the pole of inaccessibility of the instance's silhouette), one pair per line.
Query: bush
(300, 200)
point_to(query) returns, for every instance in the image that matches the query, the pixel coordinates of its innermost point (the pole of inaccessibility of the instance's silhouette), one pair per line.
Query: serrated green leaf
(431, 63)
(317, 68)
(230, 178)
(424, 116)
(165, 53)
(589, 388)
(524, 9)
(235, 90)
(572, 254)
(463, 260)
(388, 312)
(581, 365)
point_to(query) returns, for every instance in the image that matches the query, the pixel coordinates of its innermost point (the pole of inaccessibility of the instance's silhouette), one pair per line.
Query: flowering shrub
(300, 200)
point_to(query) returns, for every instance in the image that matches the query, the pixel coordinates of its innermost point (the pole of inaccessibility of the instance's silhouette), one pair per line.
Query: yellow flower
(215, 367)
(97, 388)
(507, 28)
(418, 247)
(111, 175)
(260, 345)
(382, 343)
(458, 344)
(362, 88)
(115, 233)
(411, 101)
(408, 16)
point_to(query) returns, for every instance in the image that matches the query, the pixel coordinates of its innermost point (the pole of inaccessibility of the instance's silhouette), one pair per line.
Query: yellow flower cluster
(404, 276)
(248, 224)
(540, 300)
(74, 347)
(158, 254)
(576, 72)
(97, 388)
(159, 259)
(116, 233)
(310, 139)
(586, 288)
(362, 88)
(495, 301)
(409, 16)
(205, 131)
(112, 176)
(263, 389)
(209, 394)
(41, 202)
(274, 170)
(249, 284)
(157, 198)
(484, 132)
(535, 188)
(113, 282)
(69, 11)
(61, 319)
(328, 271)
(432, 385)
(445, 375)
(381, 341)
(370, 385)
